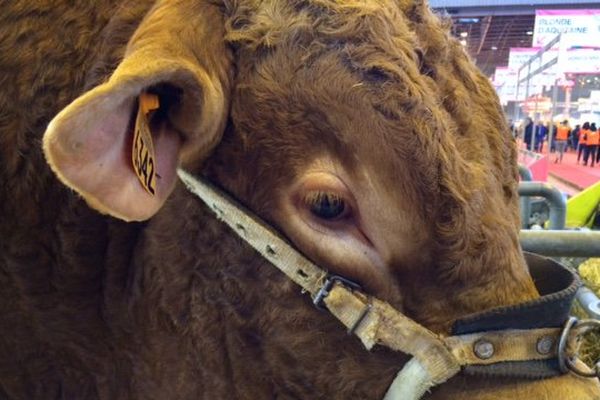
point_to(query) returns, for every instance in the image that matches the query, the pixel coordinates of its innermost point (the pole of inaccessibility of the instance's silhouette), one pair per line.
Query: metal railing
(524, 201)
(557, 242)
(556, 201)
(589, 302)
(561, 243)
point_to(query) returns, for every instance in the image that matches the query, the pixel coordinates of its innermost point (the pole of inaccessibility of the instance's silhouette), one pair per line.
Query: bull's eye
(326, 205)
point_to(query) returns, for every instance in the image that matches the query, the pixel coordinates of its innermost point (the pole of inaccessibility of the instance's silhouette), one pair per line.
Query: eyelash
(326, 205)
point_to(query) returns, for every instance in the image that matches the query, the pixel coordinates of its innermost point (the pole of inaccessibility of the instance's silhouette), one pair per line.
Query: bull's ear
(169, 94)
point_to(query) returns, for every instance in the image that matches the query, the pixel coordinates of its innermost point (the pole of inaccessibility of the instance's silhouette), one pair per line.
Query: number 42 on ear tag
(142, 151)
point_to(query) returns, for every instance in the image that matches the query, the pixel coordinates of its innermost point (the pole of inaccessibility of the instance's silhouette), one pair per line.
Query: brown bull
(359, 129)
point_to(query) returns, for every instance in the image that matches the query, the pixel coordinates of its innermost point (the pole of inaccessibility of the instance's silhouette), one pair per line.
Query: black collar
(557, 286)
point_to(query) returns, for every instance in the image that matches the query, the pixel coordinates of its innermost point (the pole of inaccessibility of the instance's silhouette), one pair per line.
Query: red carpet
(570, 173)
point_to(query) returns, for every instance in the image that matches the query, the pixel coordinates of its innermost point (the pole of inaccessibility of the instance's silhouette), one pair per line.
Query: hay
(590, 273)
(590, 348)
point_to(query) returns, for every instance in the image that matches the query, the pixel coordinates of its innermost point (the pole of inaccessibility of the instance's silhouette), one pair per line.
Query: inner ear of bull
(120, 157)
(169, 99)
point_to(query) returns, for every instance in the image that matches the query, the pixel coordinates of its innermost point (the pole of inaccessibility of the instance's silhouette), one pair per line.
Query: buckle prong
(319, 297)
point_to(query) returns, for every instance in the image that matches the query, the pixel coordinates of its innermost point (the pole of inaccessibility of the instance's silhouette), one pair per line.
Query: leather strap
(386, 326)
(436, 359)
(507, 345)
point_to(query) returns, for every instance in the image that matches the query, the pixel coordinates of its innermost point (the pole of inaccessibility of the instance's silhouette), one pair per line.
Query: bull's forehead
(345, 77)
(266, 23)
(377, 38)
(362, 117)
(330, 116)
(394, 28)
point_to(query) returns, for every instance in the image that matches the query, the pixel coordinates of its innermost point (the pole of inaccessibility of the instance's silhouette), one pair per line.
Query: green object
(582, 207)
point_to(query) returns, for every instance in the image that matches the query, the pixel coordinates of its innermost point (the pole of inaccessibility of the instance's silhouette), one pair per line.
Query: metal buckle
(567, 362)
(323, 292)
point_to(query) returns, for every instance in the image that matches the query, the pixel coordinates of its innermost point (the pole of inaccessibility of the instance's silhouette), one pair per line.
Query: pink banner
(524, 49)
(537, 164)
(543, 13)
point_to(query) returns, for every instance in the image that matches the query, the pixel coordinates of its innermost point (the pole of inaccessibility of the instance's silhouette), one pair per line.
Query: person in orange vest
(597, 149)
(583, 135)
(562, 134)
(593, 140)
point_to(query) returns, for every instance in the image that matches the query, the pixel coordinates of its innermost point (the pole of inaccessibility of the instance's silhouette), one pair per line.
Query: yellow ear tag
(142, 151)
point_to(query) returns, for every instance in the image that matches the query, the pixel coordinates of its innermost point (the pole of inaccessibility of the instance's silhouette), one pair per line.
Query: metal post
(517, 105)
(561, 243)
(554, 96)
(557, 202)
(568, 102)
(525, 173)
(525, 201)
(537, 118)
(532, 139)
(589, 301)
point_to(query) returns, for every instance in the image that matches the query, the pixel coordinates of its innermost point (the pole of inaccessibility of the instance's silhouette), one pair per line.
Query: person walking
(597, 147)
(528, 132)
(562, 134)
(593, 140)
(551, 136)
(583, 135)
(574, 137)
(541, 133)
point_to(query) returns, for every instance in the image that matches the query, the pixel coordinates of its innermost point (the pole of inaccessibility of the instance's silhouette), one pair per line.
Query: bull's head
(360, 129)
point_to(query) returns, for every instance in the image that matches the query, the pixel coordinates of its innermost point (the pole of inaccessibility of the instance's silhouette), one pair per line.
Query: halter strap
(435, 358)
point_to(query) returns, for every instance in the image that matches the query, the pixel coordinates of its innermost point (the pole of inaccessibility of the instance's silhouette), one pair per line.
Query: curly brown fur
(452, 133)
(178, 307)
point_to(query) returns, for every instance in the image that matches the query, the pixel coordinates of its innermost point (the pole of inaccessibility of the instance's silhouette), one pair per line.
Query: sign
(490, 7)
(579, 55)
(578, 50)
(537, 104)
(589, 104)
(518, 56)
(504, 82)
(581, 24)
(565, 83)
